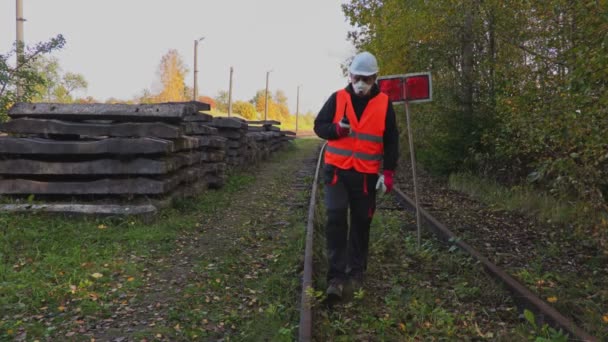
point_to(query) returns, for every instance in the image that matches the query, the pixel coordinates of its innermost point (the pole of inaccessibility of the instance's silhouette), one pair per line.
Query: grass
(248, 289)
(411, 294)
(524, 199)
(577, 291)
(58, 274)
(52, 265)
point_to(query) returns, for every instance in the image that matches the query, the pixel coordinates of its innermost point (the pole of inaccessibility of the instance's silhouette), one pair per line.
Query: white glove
(344, 124)
(380, 186)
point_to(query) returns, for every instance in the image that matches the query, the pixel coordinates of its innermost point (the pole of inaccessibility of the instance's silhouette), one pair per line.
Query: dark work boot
(335, 289)
(356, 282)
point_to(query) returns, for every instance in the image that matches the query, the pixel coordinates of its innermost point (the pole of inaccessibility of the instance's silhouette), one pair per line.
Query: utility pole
(297, 108)
(266, 102)
(230, 93)
(195, 90)
(20, 43)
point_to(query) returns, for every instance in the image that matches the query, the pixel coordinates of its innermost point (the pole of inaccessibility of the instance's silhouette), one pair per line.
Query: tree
(145, 97)
(49, 69)
(72, 82)
(520, 88)
(259, 100)
(23, 75)
(208, 100)
(282, 109)
(57, 87)
(221, 101)
(277, 105)
(88, 99)
(245, 109)
(280, 97)
(172, 73)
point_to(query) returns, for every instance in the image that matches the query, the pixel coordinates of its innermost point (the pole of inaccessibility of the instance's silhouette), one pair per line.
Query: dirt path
(213, 284)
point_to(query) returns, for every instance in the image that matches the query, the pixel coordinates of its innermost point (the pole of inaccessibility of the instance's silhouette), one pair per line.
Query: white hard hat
(364, 64)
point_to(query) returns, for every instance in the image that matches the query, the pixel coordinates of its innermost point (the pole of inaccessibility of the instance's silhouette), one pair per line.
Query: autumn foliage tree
(245, 109)
(277, 105)
(172, 71)
(208, 100)
(520, 88)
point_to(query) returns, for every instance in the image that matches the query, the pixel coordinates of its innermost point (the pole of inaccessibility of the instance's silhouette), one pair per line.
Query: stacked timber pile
(235, 132)
(268, 136)
(108, 159)
(200, 127)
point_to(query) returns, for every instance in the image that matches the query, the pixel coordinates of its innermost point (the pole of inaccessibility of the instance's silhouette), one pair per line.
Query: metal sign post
(413, 159)
(409, 88)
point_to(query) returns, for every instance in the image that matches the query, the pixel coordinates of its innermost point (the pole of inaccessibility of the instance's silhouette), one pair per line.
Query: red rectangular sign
(411, 87)
(417, 88)
(393, 87)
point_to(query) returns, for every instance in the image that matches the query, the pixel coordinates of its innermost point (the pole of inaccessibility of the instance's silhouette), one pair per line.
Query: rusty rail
(521, 294)
(305, 333)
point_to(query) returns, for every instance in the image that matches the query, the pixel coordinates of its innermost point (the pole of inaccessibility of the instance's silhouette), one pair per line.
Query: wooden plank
(198, 128)
(235, 160)
(214, 141)
(228, 123)
(137, 166)
(130, 129)
(266, 122)
(100, 111)
(255, 129)
(233, 153)
(119, 146)
(196, 142)
(82, 209)
(231, 133)
(256, 136)
(198, 105)
(213, 156)
(234, 144)
(199, 117)
(106, 186)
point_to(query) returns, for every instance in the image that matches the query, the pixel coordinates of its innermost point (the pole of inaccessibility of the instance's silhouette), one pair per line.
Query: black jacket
(326, 129)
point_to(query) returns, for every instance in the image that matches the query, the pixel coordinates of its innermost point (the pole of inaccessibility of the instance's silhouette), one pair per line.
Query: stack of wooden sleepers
(235, 132)
(107, 158)
(268, 136)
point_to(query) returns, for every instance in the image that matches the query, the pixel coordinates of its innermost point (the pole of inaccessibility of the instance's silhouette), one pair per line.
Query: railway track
(507, 314)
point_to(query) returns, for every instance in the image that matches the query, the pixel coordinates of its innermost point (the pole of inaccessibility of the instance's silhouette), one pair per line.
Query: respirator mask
(362, 84)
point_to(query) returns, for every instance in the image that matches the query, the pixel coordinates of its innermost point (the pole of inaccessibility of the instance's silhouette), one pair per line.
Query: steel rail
(522, 295)
(305, 332)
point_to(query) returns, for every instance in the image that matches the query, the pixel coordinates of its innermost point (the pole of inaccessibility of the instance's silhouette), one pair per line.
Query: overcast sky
(118, 44)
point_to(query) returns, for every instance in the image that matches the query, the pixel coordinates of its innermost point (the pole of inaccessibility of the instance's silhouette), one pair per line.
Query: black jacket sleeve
(324, 126)
(391, 140)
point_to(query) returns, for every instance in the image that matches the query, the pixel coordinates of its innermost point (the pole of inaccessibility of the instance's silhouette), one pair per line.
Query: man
(360, 126)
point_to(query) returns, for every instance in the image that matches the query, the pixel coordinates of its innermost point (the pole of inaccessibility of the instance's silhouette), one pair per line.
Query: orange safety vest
(363, 148)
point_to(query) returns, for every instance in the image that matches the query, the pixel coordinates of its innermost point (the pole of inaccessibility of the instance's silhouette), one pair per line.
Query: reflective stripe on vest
(363, 148)
(349, 153)
(366, 137)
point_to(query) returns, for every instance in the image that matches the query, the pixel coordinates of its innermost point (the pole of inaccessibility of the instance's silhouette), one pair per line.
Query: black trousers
(348, 191)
